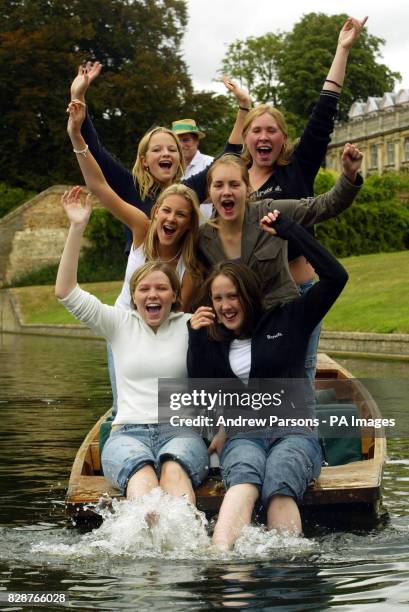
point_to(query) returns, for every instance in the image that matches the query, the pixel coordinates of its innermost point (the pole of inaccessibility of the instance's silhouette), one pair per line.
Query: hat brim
(197, 132)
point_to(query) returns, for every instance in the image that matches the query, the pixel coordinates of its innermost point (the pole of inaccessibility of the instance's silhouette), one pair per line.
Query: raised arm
(348, 35)
(134, 218)
(316, 302)
(244, 101)
(312, 147)
(117, 176)
(308, 211)
(78, 217)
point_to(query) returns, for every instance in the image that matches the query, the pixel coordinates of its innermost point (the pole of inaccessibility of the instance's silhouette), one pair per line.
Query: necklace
(172, 258)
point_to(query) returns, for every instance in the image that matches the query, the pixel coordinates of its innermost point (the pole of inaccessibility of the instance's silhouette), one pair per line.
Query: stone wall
(33, 235)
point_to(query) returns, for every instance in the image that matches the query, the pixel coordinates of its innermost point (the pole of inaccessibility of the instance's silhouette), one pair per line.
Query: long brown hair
(249, 295)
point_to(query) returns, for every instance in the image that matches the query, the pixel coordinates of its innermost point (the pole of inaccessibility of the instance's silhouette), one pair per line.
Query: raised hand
(86, 74)
(203, 317)
(351, 161)
(350, 32)
(240, 93)
(76, 110)
(77, 213)
(267, 221)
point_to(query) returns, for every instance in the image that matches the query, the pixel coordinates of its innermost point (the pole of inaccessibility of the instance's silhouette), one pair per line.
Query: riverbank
(363, 344)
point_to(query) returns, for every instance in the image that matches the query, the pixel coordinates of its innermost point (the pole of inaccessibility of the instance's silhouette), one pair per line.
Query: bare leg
(283, 515)
(235, 513)
(142, 482)
(175, 481)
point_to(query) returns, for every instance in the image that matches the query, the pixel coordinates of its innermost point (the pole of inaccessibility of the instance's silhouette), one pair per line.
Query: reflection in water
(52, 391)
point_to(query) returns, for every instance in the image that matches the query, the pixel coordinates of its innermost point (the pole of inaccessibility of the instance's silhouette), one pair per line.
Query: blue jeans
(279, 466)
(130, 447)
(312, 349)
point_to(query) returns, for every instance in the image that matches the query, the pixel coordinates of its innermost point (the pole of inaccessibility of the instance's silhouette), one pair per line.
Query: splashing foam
(256, 541)
(157, 525)
(161, 526)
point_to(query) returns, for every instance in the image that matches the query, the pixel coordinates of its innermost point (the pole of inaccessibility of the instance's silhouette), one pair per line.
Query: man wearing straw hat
(189, 136)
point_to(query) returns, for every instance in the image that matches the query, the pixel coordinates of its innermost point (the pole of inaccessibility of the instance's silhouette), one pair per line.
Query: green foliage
(309, 49)
(253, 62)
(385, 187)
(377, 222)
(11, 197)
(289, 68)
(366, 228)
(41, 44)
(324, 180)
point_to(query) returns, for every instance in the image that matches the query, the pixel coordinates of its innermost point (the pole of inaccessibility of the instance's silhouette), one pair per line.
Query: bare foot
(151, 518)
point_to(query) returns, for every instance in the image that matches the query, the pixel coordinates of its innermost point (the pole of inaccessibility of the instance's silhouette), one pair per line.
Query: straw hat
(186, 126)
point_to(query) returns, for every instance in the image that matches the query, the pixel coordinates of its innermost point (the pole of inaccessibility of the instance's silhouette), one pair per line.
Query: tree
(253, 62)
(289, 69)
(215, 115)
(41, 44)
(306, 55)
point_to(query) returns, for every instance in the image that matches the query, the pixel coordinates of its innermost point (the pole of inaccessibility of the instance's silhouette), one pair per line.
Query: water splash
(161, 526)
(157, 525)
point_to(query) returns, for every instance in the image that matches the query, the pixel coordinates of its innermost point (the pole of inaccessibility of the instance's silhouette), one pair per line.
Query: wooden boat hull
(357, 483)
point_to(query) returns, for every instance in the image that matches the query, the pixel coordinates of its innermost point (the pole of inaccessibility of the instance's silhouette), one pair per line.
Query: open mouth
(153, 308)
(228, 205)
(168, 230)
(264, 150)
(165, 164)
(229, 316)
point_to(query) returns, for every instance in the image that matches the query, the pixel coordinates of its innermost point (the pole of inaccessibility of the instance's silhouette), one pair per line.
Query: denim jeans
(312, 349)
(130, 447)
(283, 466)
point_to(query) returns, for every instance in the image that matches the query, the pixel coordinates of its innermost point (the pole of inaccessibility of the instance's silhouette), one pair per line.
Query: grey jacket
(265, 254)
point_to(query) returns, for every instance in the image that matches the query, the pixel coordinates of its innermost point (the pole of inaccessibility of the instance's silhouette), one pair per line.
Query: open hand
(267, 221)
(350, 32)
(78, 214)
(240, 93)
(203, 317)
(85, 75)
(351, 161)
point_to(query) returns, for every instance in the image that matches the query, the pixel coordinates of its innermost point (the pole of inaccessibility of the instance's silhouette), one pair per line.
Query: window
(406, 149)
(374, 156)
(390, 150)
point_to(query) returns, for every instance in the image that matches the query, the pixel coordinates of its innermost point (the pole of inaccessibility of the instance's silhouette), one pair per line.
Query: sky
(214, 24)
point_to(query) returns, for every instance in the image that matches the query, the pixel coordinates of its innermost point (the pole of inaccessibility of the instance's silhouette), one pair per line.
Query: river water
(52, 391)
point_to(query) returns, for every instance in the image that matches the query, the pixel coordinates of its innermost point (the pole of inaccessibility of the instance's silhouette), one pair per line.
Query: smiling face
(264, 140)
(173, 219)
(153, 297)
(226, 303)
(228, 191)
(162, 157)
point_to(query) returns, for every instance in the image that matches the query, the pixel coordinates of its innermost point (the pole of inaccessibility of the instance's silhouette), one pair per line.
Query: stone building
(380, 128)
(32, 235)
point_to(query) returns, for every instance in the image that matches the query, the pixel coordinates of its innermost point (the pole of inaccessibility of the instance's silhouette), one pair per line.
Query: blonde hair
(284, 157)
(189, 239)
(147, 183)
(157, 266)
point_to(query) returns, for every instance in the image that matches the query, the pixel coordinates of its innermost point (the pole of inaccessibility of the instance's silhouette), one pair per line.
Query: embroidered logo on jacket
(277, 335)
